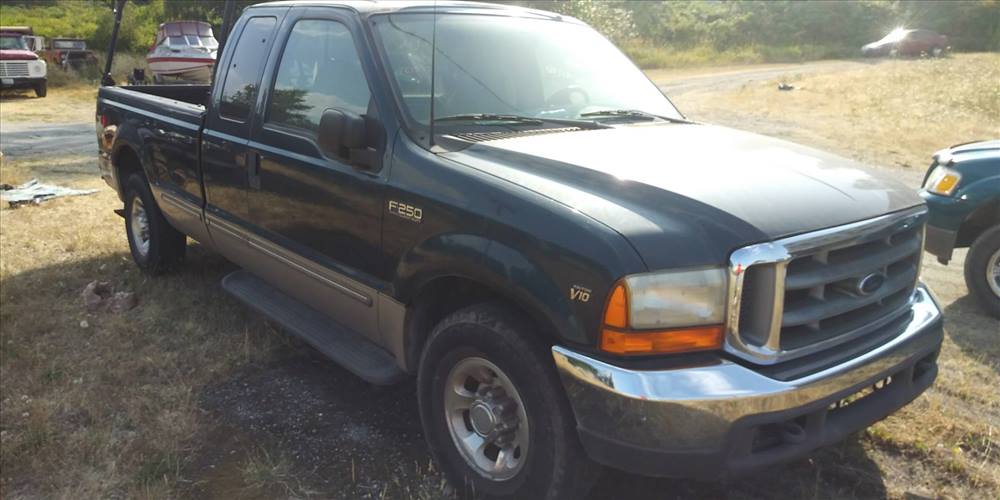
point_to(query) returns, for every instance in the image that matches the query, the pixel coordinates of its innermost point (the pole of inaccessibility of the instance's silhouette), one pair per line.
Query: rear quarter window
(239, 92)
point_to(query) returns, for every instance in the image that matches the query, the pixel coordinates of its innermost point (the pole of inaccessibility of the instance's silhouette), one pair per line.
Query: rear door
(224, 152)
(317, 220)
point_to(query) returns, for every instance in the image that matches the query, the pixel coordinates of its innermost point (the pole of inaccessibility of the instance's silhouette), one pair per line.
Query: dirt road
(675, 83)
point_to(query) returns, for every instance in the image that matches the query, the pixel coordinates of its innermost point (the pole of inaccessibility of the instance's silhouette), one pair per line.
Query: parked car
(574, 272)
(69, 53)
(907, 42)
(19, 66)
(962, 191)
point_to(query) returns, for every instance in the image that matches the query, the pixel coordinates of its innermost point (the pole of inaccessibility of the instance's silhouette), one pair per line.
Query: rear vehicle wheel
(936, 52)
(155, 245)
(982, 270)
(494, 413)
(41, 89)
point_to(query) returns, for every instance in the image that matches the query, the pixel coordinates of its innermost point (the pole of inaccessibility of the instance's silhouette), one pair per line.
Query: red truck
(19, 66)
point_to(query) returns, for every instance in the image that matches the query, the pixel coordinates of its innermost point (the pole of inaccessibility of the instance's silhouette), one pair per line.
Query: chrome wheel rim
(139, 221)
(993, 273)
(486, 418)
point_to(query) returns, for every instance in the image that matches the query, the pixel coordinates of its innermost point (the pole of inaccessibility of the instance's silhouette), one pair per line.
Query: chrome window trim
(779, 253)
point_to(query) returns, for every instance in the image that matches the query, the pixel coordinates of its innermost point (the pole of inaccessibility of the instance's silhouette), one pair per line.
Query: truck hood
(689, 194)
(17, 55)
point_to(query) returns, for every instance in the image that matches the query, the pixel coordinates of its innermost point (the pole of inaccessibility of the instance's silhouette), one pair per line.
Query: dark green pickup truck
(962, 191)
(498, 202)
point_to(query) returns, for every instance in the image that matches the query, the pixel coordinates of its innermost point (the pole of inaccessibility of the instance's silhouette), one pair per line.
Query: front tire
(494, 412)
(41, 89)
(155, 245)
(982, 270)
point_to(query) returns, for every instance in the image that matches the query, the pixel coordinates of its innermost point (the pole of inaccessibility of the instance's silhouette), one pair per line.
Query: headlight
(36, 68)
(942, 181)
(665, 312)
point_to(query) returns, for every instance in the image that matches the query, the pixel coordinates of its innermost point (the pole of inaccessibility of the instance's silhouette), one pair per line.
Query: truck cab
(20, 67)
(495, 201)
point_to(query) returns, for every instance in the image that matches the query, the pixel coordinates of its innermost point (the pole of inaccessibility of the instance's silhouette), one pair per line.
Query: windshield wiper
(630, 113)
(517, 119)
(489, 117)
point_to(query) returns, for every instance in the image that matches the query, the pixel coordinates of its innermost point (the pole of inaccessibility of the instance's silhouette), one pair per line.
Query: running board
(339, 343)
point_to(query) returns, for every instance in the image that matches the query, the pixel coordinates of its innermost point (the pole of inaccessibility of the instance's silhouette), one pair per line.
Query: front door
(317, 221)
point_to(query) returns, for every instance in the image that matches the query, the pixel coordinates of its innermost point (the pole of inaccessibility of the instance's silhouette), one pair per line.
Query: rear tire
(489, 357)
(41, 89)
(982, 270)
(155, 245)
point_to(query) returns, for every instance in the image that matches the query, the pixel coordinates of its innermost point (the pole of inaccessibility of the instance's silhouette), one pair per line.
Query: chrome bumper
(698, 409)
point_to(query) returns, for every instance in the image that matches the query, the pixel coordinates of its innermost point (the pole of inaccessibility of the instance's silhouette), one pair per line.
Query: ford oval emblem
(870, 284)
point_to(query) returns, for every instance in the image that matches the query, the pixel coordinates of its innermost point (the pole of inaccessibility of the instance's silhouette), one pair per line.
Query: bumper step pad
(339, 343)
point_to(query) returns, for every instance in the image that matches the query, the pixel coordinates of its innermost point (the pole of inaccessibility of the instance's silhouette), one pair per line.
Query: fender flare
(501, 268)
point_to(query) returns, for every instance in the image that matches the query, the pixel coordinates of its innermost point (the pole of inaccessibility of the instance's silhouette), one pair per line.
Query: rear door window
(319, 69)
(239, 92)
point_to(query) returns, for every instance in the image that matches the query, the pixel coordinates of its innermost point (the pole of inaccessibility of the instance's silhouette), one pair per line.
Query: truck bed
(180, 102)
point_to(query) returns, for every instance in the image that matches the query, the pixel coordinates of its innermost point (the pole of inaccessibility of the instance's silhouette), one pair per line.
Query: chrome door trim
(324, 275)
(182, 204)
(309, 268)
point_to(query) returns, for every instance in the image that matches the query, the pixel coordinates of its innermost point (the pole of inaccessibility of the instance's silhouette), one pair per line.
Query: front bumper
(945, 216)
(725, 418)
(21, 82)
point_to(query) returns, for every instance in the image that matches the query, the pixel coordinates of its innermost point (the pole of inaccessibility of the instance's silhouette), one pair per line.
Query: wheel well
(126, 163)
(440, 297)
(982, 219)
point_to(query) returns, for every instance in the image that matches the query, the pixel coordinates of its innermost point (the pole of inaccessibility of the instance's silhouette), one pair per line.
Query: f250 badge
(408, 212)
(577, 292)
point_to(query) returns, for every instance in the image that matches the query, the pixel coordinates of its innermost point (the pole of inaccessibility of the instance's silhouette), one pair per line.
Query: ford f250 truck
(496, 201)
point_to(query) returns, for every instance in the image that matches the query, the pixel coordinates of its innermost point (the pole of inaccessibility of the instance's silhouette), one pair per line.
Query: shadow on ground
(345, 438)
(974, 331)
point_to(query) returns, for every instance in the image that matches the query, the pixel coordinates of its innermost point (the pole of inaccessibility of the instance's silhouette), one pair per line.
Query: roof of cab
(367, 7)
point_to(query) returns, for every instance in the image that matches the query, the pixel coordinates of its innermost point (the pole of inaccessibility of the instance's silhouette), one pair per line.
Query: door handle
(253, 169)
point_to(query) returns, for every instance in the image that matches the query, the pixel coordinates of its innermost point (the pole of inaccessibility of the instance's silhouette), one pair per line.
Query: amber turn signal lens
(616, 312)
(702, 338)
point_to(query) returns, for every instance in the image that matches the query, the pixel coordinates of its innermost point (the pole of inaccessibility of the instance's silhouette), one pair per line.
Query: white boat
(184, 50)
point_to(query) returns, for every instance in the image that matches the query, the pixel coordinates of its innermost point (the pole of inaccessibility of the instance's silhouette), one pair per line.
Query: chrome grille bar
(859, 246)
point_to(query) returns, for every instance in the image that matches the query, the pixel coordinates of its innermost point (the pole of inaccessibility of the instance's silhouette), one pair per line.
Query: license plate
(863, 393)
(7, 81)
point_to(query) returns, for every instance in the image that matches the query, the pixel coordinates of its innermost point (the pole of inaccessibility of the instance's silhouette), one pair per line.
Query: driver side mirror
(347, 136)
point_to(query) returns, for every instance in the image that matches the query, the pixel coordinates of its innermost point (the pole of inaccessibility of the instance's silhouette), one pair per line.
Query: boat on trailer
(184, 50)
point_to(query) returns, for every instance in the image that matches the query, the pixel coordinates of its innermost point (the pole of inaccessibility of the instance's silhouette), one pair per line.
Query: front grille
(13, 68)
(825, 288)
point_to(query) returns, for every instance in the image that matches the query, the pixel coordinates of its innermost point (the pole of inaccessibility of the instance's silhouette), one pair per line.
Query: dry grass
(103, 405)
(890, 112)
(75, 103)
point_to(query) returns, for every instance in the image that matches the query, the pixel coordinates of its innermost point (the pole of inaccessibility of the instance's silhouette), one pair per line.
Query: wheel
(41, 89)
(936, 52)
(155, 245)
(982, 270)
(494, 412)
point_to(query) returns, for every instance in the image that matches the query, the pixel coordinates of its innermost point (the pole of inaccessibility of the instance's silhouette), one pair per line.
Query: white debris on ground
(34, 193)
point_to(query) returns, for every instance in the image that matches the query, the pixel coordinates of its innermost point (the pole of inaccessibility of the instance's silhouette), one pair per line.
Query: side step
(341, 344)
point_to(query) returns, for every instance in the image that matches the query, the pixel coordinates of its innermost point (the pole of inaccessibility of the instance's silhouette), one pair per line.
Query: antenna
(430, 140)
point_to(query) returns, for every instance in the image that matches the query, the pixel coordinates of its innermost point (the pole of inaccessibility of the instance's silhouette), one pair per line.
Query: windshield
(12, 42)
(493, 65)
(894, 36)
(69, 44)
